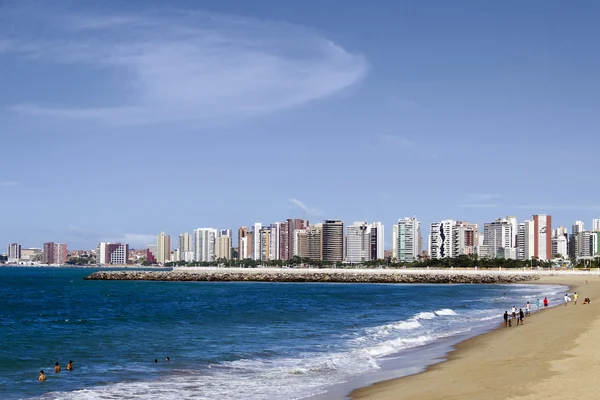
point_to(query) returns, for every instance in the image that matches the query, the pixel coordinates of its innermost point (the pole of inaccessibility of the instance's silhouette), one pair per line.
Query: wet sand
(554, 355)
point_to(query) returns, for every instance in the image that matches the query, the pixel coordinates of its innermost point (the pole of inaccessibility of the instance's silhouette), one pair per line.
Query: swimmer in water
(57, 367)
(167, 359)
(70, 366)
(156, 361)
(42, 377)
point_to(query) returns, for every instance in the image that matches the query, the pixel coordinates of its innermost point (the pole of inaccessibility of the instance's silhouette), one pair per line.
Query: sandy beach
(554, 355)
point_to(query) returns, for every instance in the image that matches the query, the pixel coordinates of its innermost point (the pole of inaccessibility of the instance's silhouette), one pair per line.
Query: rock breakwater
(333, 276)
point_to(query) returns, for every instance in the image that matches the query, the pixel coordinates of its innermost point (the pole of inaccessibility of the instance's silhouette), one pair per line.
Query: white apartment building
(440, 239)
(408, 240)
(596, 225)
(163, 248)
(465, 238)
(498, 237)
(358, 242)
(204, 244)
(275, 241)
(559, 246)
(525, 240)
(377, 241)
(256, 238)
(395, 241)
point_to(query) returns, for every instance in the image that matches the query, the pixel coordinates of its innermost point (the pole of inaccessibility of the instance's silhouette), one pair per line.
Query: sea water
(225, 340)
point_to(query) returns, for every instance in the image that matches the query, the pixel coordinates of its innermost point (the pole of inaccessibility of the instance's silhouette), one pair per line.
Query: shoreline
(513, 363)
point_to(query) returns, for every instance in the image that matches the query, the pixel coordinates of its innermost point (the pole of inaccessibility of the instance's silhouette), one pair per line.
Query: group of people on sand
(520, 315)
(42, 377)
(575, 297)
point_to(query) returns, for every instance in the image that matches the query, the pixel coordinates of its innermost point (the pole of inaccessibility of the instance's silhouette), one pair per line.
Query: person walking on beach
(537, 304)
(514, 312)
(527, 309)
(567, 299)
(42, 377)
(521, 315)
(57, 367)
(575, 296)
(545, 302)
(70, 366)
(505, 319)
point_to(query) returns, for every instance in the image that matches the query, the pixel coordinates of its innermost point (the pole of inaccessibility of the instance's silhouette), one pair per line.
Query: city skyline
(114, 132)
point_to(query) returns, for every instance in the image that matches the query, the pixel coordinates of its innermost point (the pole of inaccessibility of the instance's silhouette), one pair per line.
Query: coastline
(533, 361)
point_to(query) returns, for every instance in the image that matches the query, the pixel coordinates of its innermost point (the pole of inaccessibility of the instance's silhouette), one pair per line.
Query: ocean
(230, 340)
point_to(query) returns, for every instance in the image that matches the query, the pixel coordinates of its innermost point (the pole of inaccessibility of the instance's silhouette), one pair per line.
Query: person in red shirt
(545, 302)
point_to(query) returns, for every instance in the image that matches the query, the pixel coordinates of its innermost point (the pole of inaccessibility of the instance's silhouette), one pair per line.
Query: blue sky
(119, 121)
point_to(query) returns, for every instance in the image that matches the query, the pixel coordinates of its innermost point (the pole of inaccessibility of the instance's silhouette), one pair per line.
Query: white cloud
(191, 66)
(311, 212)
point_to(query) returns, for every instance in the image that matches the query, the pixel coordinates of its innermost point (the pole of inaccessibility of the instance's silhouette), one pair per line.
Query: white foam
(425, 315)
(445, 311)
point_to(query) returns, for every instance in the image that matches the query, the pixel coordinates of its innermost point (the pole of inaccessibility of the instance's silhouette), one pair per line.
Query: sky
(121, 120)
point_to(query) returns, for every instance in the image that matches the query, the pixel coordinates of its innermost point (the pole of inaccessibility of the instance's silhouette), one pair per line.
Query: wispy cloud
(5, 184)
(187, 66)
(480, 200)
(309, 211)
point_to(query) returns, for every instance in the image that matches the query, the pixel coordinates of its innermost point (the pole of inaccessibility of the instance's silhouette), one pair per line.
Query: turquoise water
(225, 340)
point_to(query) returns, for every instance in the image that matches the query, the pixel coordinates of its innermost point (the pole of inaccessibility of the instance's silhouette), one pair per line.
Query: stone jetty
(319, 275)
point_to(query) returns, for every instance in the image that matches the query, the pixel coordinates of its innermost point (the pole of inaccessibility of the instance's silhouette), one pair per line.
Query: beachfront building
(163, 248)
(264, 243)
(14, 252)
(275, 241)
(596, 225)
(223, 247)
(377, 246)
(465, 238)
(186, 248)
(54, 253)
(440, 239)
(525, 243)
(245, 242)
(286, 241)
(112, 253)
(151, 254)
(333, 240)
(314, 242)
(31, 254)
(204, 244)
(542, 239)
(407, 243)
(498, 239)
(559, 247)
(358, 242)
(256, 241)
(575, 244)
(394, 255)
(300, 244)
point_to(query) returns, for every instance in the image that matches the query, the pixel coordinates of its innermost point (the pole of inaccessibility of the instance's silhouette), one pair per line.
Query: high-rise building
(377, 241)
(204, 244)
(224, 244)
(333, 240)
(358, 242)
(256, 247)
(440, 239)
(54, 253)
(408, 240)
(32, 254)
(465, 238)
(525, 245)
(163, 248)
(575, 239)
(498, 238)
(275, 241)
(542, 239)
(286, 241)
(186, 248)
(314, 242)
(300, 245)
(395, 242)
(596, 225)
(264, 243)
(112, 253)
(14, 252)
(244, 243)
(559, 246)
